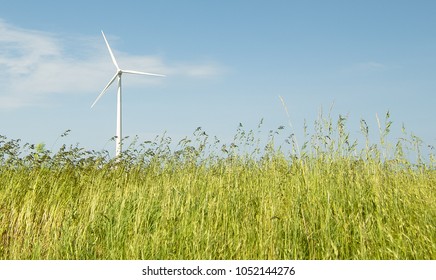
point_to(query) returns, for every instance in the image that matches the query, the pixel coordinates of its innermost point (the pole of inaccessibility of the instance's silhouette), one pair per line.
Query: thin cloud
(206, 70)
(370, 66)
(34, 65)
(364, 69)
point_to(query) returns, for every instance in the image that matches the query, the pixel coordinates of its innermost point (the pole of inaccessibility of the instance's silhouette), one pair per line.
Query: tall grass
(332, 199)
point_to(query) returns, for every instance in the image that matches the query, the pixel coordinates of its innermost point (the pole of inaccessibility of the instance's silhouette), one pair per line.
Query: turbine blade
(110, 51)
(142, 73)
(104, 90)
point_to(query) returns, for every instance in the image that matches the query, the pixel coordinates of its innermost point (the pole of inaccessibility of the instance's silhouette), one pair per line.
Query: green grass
(205, 200)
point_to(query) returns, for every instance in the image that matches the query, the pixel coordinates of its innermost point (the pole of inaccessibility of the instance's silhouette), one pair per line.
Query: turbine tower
(118, 75)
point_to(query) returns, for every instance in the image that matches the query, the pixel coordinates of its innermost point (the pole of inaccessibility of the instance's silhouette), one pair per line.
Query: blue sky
(226, 63)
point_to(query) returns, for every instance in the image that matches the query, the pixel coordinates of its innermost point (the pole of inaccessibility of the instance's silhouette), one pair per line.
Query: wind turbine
(118, 75)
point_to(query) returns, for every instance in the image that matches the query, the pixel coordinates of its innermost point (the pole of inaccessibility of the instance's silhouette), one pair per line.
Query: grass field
(330, 198)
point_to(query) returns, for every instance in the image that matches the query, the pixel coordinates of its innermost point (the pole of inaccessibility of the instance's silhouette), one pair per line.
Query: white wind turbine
(118, 75)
